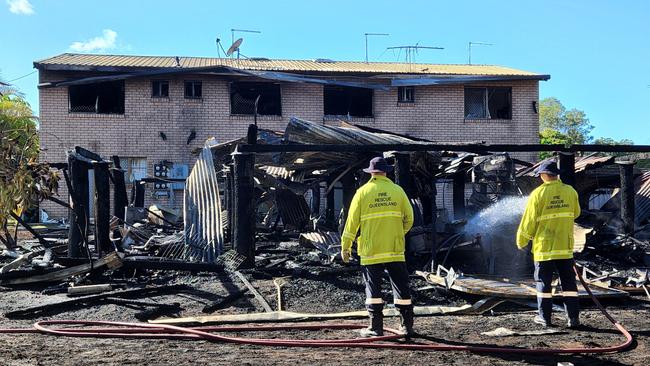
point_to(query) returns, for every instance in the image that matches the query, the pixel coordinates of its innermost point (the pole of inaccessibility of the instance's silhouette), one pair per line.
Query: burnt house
(154, 111)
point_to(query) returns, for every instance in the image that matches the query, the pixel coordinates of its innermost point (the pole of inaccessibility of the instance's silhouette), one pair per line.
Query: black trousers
(544, 277)
(373, 276)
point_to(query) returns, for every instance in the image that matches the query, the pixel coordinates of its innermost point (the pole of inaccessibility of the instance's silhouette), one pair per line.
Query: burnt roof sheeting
(268, 75)
(294, 78)
(582, 164)
(293, 209)
(202, 214)
(642, 204)
(115, 63)
(300, 131)
(450, 80)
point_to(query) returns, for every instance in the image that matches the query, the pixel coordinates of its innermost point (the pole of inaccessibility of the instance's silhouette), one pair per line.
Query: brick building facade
(158, 128)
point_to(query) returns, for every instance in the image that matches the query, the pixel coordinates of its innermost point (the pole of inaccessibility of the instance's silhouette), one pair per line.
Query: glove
(345, 255)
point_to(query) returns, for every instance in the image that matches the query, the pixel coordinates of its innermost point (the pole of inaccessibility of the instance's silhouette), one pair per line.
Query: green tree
(573, 123)
(550, 136)
(611, 141)
(24, 182)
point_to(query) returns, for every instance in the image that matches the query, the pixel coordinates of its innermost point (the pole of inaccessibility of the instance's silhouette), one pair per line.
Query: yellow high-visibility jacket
(548, 221)
(383, 212)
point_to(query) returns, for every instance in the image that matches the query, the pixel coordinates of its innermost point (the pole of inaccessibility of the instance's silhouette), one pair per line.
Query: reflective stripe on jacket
(382, 211)
(548, 221)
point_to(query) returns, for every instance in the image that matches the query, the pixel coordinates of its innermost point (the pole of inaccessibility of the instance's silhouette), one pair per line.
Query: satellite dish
(234, 47)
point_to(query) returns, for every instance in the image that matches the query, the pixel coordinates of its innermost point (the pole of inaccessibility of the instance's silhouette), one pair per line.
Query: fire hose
(164, 331)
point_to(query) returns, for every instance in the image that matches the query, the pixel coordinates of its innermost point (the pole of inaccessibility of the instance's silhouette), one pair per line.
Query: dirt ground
(310, 293)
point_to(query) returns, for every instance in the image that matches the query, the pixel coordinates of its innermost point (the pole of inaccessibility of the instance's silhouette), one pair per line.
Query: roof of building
(71, 61)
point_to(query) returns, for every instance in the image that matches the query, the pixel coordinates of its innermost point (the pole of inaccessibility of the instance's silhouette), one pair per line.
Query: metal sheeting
(90, 62)
(202, 211)
(328, 242)
(643, 198)
(582, 164)
(451, 80)
(300, 131)
(293, 208)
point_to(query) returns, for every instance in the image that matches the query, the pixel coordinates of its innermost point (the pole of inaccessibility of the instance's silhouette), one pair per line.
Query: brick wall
(437, 114)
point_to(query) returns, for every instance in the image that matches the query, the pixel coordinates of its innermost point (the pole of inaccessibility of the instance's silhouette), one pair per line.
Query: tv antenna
(411, 51)
(469, 49)
(372, 34)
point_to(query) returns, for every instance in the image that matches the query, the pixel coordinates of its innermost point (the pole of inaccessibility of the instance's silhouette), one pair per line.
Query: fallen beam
(37, 311)
(475, 148)
(256, 293)
(146, 262)
(112, 260)
(224, 302)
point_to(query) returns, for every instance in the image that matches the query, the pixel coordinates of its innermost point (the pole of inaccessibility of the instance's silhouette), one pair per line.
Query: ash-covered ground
(313, 292)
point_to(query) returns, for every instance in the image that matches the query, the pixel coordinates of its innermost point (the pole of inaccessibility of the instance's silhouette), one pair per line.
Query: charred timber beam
(476, 148)
(138, 193)
(78, 218)
(28, 228)
(434, 219)
(315, 200)
(330, 216)
(627, 195)
(568, 168)
(102, 207)
(120, 199)
(244, 207)
(403, 172)
(458, 195)
(349, 188)
(229, 198)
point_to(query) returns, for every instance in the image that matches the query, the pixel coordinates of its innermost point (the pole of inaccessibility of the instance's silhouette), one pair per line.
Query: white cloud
(20, 7)
(102, 43)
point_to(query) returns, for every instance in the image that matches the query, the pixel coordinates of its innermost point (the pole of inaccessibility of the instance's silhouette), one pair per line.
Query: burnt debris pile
(272, 205)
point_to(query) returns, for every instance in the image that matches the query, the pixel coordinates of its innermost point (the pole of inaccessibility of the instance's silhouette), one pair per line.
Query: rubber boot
(406, 322)
(376, 327)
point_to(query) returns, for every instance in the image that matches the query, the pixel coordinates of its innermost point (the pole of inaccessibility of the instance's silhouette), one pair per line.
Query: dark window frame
(194, 83)
(339, 95)
(84, 93)
(263, 104)
(157, 92)
(489, 109)
(402, 93)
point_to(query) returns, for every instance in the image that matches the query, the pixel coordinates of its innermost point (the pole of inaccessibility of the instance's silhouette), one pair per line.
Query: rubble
(259, 233)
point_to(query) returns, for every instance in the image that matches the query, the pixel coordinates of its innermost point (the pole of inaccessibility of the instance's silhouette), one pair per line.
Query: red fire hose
(144, 330)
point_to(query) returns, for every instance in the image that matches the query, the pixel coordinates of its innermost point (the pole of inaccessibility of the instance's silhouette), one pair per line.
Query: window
(406, 94)
(488, 103)
(104, 98)
(243, 95)
(160, 88)
(193, 90)
(347, 101)
(136, 169)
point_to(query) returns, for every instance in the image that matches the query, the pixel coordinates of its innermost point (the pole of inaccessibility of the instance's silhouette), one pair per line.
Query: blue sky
(597, 51)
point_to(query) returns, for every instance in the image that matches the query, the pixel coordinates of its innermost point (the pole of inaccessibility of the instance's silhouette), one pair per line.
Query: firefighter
(382, 213)
(548, 221)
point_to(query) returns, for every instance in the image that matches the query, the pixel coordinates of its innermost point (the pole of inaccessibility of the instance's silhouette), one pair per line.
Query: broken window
(488, 103)
(193, 90)
(406, 94)
(105, 98)
(243, 95)
(347, 101)
(160, 88)
(136, 169)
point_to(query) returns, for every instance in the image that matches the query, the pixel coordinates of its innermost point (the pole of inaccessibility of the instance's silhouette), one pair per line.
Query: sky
(597, 52)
